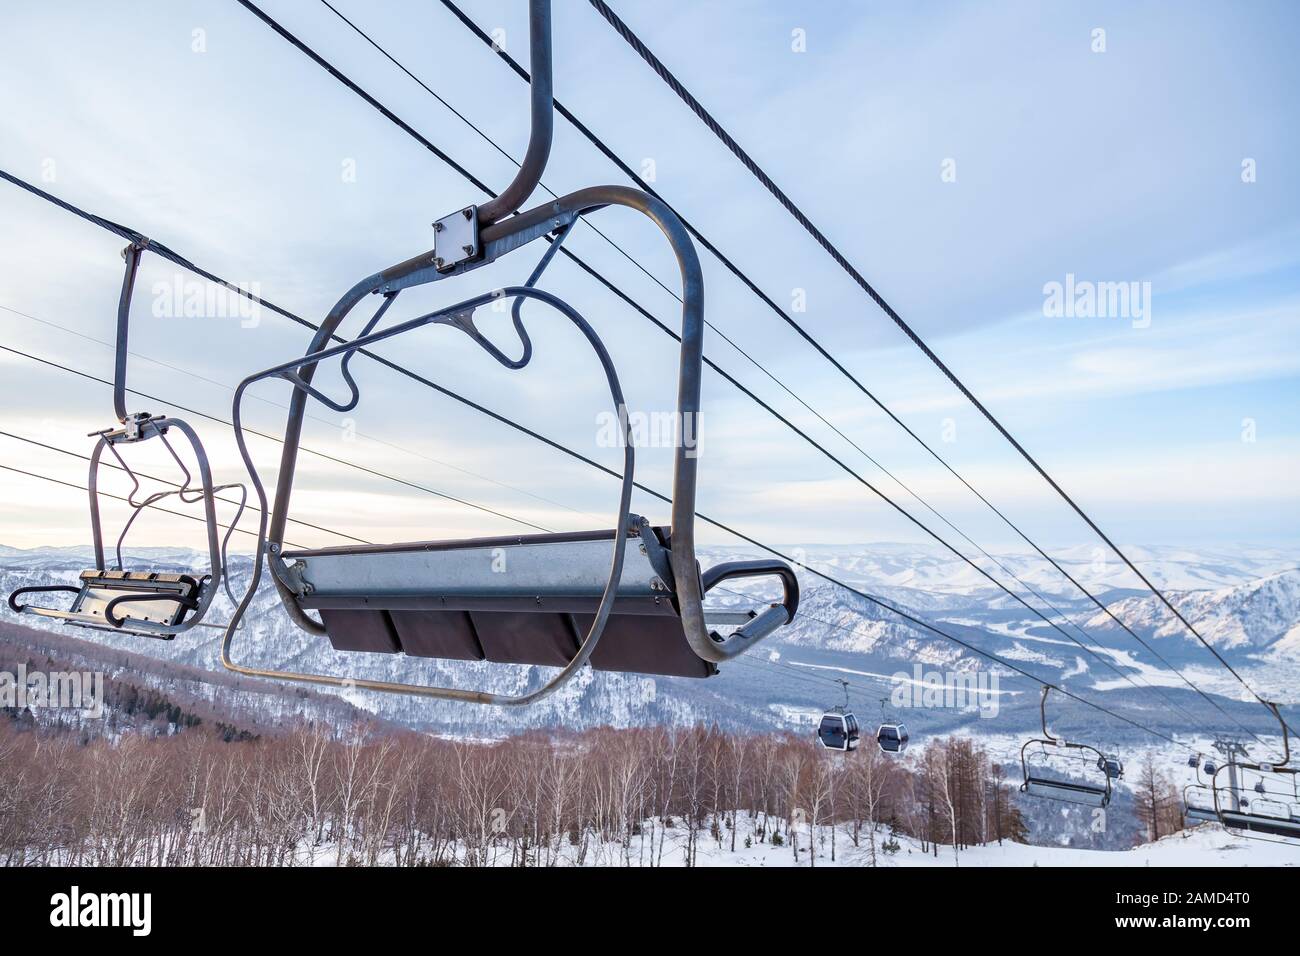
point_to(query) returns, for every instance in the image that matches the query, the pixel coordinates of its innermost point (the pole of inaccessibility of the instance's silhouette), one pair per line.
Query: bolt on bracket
(456, 239)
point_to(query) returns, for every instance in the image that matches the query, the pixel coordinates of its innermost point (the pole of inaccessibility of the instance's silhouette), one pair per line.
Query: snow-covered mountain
(1260, 615)
(838, 634)
(933, 570)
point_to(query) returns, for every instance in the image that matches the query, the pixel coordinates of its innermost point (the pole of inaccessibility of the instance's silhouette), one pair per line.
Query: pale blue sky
(1115, 166)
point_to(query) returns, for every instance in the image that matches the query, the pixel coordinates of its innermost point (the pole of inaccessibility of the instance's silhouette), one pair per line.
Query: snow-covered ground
(1206, 845)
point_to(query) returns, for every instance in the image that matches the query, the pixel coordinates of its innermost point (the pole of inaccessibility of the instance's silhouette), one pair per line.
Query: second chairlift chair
(159, 604)
(626, 598)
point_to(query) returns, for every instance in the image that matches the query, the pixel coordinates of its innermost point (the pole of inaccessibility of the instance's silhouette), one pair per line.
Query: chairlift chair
(148, 603)
(629, 597)
(1037, 783)
(838, 727)
(1264, 816)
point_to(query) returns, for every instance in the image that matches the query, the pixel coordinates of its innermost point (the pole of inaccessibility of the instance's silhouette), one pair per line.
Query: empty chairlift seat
(1070, 791)
(158, 604)
(1042, 779)
(1282, 825)
(519, 600)
(1198, 814)
(1275, 812)
(153, 603)
(122, 600)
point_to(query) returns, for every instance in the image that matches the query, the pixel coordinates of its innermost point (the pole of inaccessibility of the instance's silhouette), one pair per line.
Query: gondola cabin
(838, 731)
(892, 738)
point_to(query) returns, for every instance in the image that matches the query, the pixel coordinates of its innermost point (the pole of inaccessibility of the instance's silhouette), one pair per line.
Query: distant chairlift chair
(1271, 817)
(155, 604)
(629, 597)
(1037, 783)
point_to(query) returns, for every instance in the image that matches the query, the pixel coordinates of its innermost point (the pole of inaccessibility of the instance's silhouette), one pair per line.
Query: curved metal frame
(776, 615)
(1286, 742)
(541, 100)
(498, 240)
(131, 255)
(493, 231)
(298, 372)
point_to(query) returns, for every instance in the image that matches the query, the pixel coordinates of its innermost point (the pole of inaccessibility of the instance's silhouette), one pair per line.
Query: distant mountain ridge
(1261, 615)
(787, 681)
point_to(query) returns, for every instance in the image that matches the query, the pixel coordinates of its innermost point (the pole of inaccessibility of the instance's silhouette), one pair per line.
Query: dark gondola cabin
(892, 738)
(838, 731)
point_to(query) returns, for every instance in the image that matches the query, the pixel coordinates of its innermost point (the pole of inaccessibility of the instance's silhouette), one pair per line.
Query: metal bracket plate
(456, 239)
(290, 575)
(137, 427)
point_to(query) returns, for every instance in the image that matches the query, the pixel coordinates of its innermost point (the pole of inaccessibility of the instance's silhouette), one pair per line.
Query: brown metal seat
(640, 643)
(519, 600)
